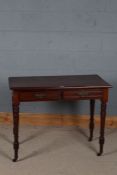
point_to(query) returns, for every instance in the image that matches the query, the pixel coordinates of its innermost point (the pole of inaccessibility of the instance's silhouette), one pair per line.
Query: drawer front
(82, 94)
(39, 95)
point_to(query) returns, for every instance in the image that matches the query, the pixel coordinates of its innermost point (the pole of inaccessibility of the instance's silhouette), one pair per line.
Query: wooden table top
(57, 82)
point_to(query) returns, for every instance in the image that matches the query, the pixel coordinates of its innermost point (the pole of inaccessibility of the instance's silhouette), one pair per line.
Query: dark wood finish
(103, 115)
(15, 106)
(57, 82)
(40, 95)
(91, 124)
(49, 88)
(82, 94)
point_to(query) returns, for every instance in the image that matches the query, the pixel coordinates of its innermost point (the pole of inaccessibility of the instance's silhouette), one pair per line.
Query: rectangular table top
(57, 82)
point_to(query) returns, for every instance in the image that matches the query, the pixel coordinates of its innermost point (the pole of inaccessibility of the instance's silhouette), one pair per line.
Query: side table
(56, 88)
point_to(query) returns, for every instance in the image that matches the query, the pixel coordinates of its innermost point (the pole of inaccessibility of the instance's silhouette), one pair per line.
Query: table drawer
(82, 94)
(39, 95)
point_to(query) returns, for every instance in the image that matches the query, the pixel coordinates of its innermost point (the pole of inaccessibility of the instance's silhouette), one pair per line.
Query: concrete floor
(57, 151)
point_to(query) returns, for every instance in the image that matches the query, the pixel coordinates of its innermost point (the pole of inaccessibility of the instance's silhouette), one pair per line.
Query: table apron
(56, 95)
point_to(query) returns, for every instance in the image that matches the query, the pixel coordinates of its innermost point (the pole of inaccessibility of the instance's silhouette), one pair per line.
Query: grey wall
(54, 37)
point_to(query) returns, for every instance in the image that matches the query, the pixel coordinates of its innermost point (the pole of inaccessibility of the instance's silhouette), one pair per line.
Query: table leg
(91, 124)
(15, 130)
(102, 127)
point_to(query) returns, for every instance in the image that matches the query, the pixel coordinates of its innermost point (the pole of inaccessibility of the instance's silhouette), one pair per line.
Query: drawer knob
(82, 93)
(40, 96)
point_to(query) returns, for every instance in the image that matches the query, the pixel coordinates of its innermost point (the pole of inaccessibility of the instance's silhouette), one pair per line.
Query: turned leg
(91, 123)
(15, 130)
(102, 127)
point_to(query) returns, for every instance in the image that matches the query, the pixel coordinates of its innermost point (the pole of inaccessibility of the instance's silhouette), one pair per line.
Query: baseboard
(56, 120)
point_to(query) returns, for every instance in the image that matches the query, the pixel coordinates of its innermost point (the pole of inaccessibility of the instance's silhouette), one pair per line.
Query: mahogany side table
(54, 88)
